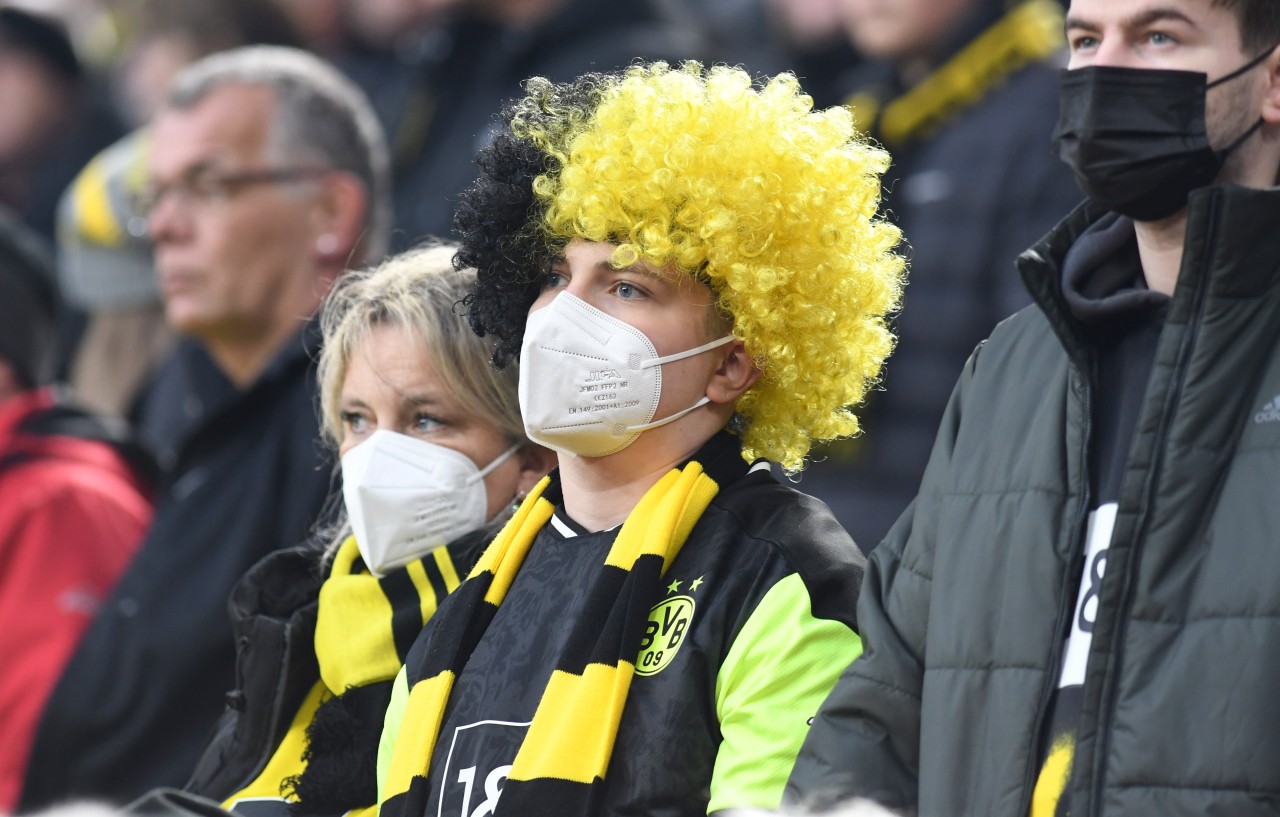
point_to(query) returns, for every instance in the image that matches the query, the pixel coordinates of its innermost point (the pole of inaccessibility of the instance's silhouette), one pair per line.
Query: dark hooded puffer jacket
(964, 607)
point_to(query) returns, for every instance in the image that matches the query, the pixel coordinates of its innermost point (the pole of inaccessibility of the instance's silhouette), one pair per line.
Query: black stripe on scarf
(594, 643)
(548, 797)
(448, 648)
(406, 616)
(436, 578)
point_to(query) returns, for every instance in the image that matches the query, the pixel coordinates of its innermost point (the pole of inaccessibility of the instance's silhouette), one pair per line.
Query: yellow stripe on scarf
(287, 760)
(663, 517)
(412, 754)
(354, 640)
(1054, 776)
(506, 553)
(600, 691)
(1031, 31)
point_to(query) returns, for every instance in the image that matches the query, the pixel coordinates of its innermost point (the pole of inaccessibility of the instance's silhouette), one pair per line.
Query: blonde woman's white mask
(406, 497)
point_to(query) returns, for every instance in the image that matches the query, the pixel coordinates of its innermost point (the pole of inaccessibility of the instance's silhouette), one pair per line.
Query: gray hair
(320, 114)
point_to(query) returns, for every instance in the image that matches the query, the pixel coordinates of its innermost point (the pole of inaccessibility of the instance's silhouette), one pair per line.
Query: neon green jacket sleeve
(391, 728)
(777, 673)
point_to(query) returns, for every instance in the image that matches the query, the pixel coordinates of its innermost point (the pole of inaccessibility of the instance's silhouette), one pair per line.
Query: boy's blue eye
(628, 291)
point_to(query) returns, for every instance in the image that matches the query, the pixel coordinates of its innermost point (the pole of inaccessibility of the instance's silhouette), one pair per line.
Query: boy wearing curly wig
(693, 276)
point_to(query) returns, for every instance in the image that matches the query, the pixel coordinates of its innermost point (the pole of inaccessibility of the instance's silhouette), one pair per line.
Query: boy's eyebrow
(637, 268)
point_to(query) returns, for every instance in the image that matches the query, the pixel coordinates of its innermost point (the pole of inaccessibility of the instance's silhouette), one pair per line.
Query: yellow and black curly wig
(700, 171)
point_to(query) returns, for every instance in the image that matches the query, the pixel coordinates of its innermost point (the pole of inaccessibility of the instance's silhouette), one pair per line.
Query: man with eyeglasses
(267, 178)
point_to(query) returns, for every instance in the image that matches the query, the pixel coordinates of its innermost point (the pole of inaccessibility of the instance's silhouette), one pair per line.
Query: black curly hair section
(499, 220)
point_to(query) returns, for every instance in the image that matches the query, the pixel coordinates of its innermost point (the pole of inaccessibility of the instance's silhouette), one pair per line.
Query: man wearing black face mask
(1080, 613)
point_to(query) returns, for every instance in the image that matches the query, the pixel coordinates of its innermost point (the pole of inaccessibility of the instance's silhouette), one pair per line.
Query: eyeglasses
(206, 185)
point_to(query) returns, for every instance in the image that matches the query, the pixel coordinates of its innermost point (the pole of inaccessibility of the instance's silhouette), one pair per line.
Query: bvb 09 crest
(668, 625)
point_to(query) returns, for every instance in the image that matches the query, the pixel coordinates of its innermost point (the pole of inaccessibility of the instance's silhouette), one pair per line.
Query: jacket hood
(1230, 249)
(1102, 281)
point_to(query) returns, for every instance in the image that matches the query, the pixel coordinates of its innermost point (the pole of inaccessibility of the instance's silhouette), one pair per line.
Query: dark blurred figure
(165, 36)
(475, 56)
(377, 43)
(806, 37)
(964, 94)
(54, 119)
(74, 503)
(266, 179)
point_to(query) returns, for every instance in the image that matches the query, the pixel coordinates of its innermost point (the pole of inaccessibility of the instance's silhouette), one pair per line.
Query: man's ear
(1271, 101)
(535, 461)
(737, 373)
(340, 210)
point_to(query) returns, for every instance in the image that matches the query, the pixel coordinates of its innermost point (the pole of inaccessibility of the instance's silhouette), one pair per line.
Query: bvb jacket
(965, 604)
(754, 627)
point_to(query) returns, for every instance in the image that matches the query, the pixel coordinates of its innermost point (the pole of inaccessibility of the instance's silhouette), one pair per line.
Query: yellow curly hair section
(771, 203)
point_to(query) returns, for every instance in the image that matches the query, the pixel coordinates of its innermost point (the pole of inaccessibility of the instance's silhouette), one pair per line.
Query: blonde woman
(434, 457)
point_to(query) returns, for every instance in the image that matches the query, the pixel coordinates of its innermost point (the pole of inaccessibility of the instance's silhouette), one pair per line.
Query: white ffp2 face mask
(590, 383)
(406, 497)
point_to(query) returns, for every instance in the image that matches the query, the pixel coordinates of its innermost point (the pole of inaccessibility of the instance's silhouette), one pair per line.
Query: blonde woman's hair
(419, 292)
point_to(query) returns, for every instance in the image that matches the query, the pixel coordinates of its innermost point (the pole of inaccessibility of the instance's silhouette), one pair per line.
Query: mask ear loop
(697, 350)
(498, 460)
(658, 361)
(488, 469)
(1225, 152)
(1248, 66)
(1252, 129)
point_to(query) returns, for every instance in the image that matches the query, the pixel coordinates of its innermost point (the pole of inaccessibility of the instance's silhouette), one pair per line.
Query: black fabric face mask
(1136, 138)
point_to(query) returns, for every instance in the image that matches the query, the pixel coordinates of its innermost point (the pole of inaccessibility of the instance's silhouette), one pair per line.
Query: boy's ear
(737, 373)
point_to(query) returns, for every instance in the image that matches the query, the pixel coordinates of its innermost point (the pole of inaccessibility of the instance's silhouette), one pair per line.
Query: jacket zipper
(1111, 681)
(1070, 590)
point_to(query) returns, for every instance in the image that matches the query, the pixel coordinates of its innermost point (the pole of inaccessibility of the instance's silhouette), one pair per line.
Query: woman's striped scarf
(365, 626)
(562, 762)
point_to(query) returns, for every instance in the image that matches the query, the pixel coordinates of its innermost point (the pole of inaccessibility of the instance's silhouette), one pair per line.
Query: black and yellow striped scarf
(365, 626)
(565, 754)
